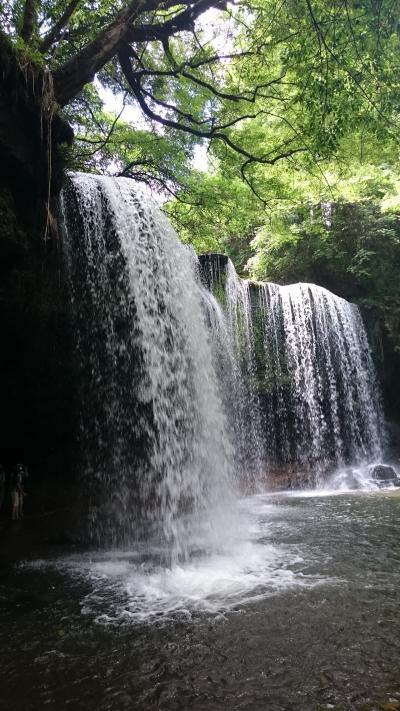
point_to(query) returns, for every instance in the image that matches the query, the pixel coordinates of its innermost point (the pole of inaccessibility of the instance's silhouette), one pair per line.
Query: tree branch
(29, 20)
(246, 96)
(72, 76)
(170, 107)
(180, 70)
(53, 35)
(105, 140)
(165, 180)
(183, 21)
(213, 133)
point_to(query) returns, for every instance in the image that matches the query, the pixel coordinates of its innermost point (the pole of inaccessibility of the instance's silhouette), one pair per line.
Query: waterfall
(330, 411)
(309, 400)
(194, 383)
(153, 430)
(231, 321)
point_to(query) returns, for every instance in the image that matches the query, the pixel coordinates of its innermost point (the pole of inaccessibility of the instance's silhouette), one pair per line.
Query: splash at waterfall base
(302, 616)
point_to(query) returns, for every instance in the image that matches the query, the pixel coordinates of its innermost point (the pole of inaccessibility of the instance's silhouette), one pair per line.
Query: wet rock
(213, 270)
(384, 474)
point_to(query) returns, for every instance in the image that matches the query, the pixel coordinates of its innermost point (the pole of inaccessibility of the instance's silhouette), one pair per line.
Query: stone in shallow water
(384, 474)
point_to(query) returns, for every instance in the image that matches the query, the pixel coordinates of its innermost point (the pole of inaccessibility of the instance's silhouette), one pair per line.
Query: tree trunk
(70, 79)
(29, 20)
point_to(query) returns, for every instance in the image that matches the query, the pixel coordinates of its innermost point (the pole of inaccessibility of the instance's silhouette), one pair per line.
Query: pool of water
(298, 610)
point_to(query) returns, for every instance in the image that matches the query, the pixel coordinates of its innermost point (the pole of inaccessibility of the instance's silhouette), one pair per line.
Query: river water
(298, 611)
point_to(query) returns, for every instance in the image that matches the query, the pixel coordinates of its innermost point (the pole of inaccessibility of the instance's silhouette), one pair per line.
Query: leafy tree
(283, 81)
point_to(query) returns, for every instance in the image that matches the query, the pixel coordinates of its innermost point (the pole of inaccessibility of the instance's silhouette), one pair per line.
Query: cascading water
(230, 318)
(248, 410)
(329, 410)
(153, 427)
(309, 397)
(187, 389)
(190, 392)
(184, 390)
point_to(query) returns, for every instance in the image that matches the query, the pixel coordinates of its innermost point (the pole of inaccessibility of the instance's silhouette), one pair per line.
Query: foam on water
(135, 587)
(346, 480)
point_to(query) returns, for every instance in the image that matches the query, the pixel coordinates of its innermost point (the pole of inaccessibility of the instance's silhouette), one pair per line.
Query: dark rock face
(387, 362)
(31, 131)
(37, 385)
(212, 269)
(384, 474)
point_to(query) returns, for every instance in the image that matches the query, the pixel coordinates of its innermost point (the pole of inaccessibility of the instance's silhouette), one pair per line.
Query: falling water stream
(332, 394)
(153, 426)
(198, 589)
(307, 400)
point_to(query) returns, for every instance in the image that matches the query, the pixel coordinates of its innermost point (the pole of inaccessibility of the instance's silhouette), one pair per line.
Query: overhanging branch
(72, 76)
(54, 34)
(214, 132)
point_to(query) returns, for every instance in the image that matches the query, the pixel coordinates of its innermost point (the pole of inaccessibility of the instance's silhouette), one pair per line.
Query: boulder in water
(384, 474)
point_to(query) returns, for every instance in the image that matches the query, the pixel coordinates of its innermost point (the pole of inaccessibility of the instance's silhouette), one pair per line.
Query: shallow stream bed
(300, 611)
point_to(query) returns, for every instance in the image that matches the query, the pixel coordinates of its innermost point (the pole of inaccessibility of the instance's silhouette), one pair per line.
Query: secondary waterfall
(310, 402)
(153, 432)
(327, 408)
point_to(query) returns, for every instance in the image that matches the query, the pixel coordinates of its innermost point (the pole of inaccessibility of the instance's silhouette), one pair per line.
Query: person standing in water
(17, 493)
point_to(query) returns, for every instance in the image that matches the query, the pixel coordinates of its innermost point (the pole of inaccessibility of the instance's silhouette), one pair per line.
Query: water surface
(299, 611)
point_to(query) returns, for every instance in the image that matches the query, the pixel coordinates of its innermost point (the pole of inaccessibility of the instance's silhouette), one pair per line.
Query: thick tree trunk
(70, 79)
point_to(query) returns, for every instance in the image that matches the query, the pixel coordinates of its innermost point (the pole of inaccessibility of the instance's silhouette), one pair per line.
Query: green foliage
(279, 88)
(28, 54)
(222, 216)
(341, 231)
(105, 145)
(351, 248)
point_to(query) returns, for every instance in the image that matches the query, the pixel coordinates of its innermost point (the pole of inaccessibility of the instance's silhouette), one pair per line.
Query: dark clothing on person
(2, 486)
(16, 481)
(17, 493)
